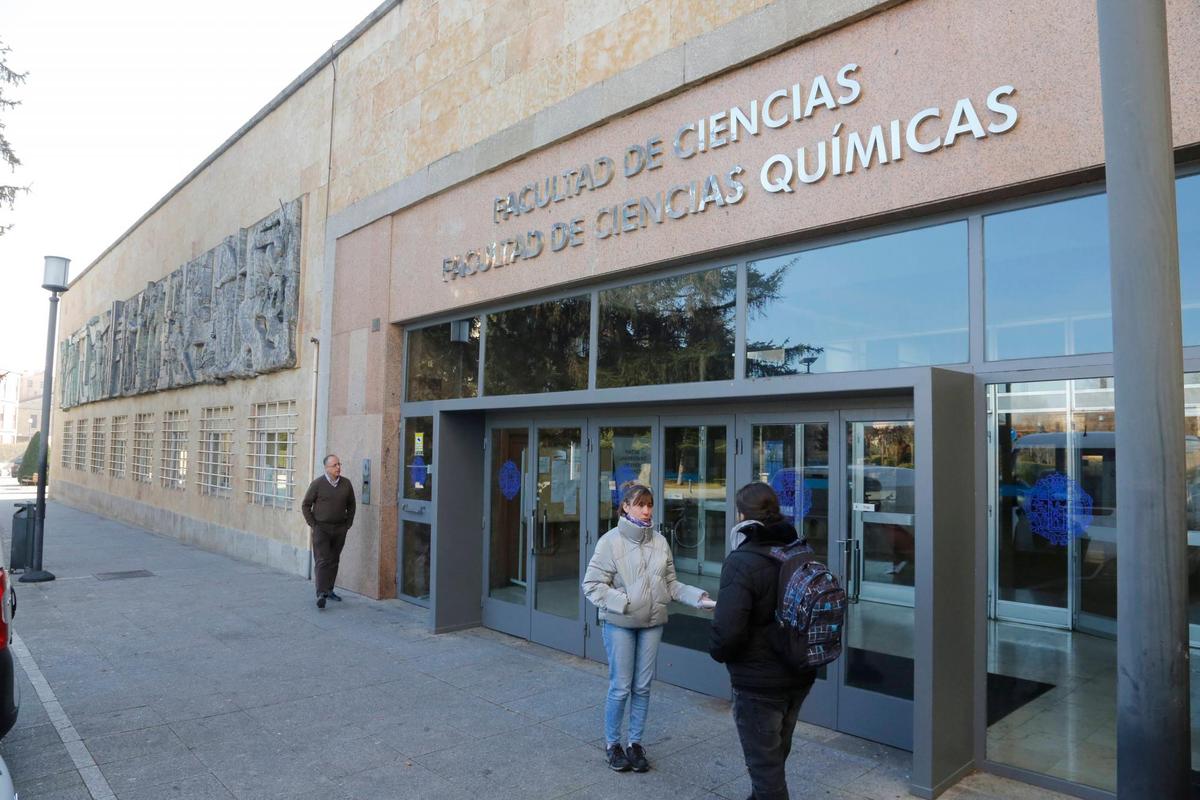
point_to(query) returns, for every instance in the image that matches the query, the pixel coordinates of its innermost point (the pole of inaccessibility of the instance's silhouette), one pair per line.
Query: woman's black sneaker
(636, 755)
(617, 760)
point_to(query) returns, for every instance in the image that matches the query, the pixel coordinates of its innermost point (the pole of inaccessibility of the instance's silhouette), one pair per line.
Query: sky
(123, 99)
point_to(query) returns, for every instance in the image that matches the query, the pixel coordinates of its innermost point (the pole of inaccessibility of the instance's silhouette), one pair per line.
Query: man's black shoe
(320, 601)
(617, 760)
(636, 755)
(334, 596)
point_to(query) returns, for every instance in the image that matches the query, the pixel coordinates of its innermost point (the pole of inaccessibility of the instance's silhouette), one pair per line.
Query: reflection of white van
(890, 489)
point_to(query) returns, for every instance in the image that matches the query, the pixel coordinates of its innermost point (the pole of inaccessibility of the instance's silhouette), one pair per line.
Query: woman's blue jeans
(631, 656)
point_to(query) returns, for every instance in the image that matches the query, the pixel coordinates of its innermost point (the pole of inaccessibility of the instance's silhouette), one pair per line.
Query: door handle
(533, 544)
(849, 547)
(858, 568)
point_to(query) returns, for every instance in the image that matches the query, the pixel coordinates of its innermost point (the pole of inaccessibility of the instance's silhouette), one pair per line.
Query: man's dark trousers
(328, 542)
(765, 723)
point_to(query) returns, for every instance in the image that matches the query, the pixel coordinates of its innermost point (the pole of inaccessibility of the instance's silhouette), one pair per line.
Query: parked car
(10, 698)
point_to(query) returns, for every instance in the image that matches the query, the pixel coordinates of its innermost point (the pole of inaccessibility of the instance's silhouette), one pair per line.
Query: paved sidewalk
(218, 679)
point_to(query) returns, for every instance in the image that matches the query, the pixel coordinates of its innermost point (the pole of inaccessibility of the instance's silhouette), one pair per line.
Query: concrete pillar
(1153, 729)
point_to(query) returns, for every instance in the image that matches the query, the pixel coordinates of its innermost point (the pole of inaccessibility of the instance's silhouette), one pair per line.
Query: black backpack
(810, 613)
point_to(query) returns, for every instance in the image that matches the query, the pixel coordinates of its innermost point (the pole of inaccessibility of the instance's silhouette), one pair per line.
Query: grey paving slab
(195, 787)
(250, 693)
(143, 772)
(159, 740)
(67, 780)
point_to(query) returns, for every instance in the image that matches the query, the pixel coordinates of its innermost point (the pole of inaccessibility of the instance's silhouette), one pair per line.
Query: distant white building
(29, 410)
(10, 398)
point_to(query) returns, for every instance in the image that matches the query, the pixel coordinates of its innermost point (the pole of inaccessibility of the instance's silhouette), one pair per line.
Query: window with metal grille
(215, 475)
(99, 439)
(68, 443)
(271, 450)
(81, 445)
(116, 447)
(143, 446)
(173, 465)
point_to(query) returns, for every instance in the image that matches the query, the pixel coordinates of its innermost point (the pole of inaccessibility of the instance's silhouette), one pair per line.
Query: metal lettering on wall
(229, 313)
(811, 156)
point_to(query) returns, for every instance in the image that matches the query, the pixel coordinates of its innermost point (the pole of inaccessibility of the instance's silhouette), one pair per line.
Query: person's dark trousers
(327, 553)
(765, 724)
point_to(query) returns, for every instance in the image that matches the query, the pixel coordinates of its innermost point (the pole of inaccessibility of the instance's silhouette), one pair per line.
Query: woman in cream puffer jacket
(631, 579)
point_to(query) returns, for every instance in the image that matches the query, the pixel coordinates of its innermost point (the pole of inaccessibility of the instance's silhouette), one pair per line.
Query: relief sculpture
(229, 313)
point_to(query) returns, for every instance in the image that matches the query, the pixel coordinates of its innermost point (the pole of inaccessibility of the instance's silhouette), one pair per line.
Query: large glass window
(538, 348)
(1051, 687)
(890, 301)
(671, 330)
(1047, 280)
(1187, 208)
(443, 361)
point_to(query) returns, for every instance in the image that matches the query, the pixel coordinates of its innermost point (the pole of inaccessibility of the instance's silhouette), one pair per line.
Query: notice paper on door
(558, 480)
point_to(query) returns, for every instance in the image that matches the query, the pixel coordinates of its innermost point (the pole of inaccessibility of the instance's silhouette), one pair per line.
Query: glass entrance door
(694, 497)
(555, 538)
(879, 564)
(624, 451)
(791, 453)
(536, 497)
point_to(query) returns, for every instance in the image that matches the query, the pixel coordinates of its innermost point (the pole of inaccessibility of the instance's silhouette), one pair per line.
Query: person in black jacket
(767, 693)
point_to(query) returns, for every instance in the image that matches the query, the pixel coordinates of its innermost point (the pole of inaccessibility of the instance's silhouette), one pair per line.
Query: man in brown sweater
(328, 509)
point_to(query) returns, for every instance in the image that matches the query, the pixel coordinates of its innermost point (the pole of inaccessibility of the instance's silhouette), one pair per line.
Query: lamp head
(54, 277)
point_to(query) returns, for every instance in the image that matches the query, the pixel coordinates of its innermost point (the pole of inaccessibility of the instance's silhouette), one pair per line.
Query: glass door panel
(881, 509)
(694, 497)
(694, 518)
(624, 455)
(1093, 443)
(794, 460)
(556, 521)
(880, 551)
(508, 549)
(1031, 568)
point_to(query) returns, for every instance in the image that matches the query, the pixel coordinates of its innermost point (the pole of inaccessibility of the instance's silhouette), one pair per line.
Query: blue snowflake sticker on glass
(623, 475)
(1059, 509)
(418, 472)
(795, 499)
(509, 479)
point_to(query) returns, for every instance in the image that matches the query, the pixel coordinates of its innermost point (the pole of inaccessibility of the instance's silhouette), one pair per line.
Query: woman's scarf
(647, 524)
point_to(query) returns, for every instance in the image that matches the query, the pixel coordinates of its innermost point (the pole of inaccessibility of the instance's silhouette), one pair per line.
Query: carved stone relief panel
(229, 313)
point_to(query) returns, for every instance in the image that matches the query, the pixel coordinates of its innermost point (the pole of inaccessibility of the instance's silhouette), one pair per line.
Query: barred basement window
(99, 435)
(67, 443)
(116, 447)
(143, 446)
(270, 471)
(215, 476)
(81, 445)
(174, 463)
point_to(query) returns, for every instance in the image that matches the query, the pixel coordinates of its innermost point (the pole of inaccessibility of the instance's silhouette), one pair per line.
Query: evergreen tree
(8, 78)
(29, 462)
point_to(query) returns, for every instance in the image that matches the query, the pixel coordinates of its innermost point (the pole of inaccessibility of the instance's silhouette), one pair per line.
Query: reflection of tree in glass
(763, 289)
(439, 368)
(889, 445)
(674, 330)
(539, 348)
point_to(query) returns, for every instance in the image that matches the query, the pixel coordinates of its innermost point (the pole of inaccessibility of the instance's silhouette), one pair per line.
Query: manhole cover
(131, 573)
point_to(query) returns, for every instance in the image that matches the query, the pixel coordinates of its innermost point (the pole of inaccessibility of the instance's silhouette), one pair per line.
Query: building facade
(504, 257)
(10, 392)
(29, 410)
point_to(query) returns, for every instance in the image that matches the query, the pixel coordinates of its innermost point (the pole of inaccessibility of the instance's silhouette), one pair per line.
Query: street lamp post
(54, 280)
